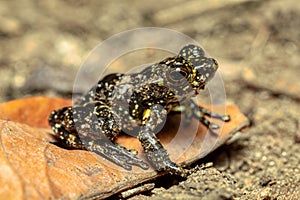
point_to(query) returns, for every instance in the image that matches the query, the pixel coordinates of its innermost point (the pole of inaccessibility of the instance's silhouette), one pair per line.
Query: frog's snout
(215, 64)
(207, 68)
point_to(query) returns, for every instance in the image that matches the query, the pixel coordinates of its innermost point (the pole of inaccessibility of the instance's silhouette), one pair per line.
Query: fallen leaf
(33, 111)
(34, 168)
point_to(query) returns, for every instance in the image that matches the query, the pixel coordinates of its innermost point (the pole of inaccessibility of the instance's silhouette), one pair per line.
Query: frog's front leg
(193, 110)
(155, 152)
(92, 127)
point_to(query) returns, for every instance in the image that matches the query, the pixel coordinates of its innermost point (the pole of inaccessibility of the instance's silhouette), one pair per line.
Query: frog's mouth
(198, 89)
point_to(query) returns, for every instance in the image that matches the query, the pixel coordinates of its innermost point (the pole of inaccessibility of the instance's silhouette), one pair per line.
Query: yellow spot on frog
(146, 115)
(71, 139)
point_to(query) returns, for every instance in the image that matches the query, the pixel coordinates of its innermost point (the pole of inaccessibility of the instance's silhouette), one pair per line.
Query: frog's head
(204, 68)
(190, 70)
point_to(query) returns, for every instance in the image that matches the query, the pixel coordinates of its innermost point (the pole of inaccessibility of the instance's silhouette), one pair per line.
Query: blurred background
(43, 43)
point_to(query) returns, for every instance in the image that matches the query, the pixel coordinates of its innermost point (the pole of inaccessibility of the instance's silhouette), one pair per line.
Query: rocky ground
(43, 43)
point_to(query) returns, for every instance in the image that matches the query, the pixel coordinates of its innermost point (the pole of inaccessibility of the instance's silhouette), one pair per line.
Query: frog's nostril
(215, 64)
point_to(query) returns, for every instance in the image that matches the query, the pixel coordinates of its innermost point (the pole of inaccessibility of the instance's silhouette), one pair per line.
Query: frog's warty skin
(137, 103)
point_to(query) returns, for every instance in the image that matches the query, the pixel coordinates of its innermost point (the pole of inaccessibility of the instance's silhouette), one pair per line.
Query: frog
(137, 104)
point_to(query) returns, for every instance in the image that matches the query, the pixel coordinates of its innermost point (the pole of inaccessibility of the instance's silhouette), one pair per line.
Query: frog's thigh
(62, 124)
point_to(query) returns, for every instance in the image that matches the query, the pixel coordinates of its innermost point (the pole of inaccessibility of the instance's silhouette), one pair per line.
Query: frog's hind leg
(98, 128)
(62, 124)
(90, 128)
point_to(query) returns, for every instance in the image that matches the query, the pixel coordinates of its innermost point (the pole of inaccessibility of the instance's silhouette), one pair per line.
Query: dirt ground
(257, 44)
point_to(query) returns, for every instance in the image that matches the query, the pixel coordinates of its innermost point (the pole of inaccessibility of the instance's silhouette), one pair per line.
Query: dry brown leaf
(33, 168)
(33, 111)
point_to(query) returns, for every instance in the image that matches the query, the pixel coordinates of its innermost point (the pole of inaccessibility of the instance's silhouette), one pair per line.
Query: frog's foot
(160, 161)
(201, 112)
(191, 109)
(117, 154)
(157, 155)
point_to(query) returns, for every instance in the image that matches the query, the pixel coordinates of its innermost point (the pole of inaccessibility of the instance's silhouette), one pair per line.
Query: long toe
(137, 162)
(175, 169)
(226, 118)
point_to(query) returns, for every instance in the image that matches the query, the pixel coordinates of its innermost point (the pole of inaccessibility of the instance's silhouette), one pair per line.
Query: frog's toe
(127, 161)
(214, 126)
(160, 161)
(137, 162)
(129, 156)
(119, 155)
(175, 169)
(225, 118)
(170, 167)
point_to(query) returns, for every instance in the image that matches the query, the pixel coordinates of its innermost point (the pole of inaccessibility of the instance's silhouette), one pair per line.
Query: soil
(257, 44)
